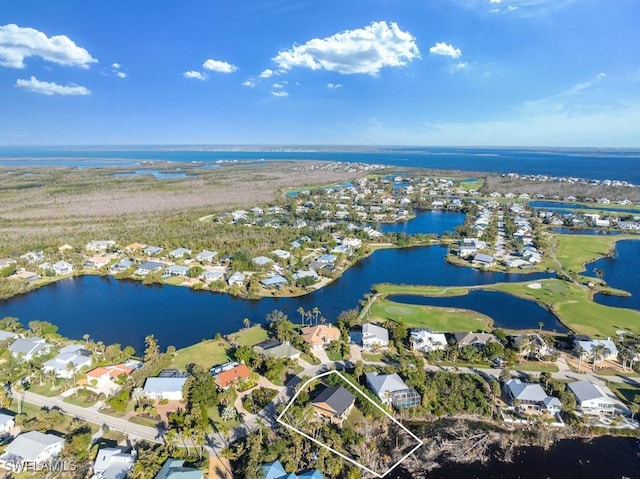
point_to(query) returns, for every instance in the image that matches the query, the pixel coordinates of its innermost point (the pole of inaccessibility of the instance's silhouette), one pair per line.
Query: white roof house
(531, 396)
(261, 261)
(113, 463)
(62, 267)
(6, 422)
(236, 278)
(7, 335)
(281, 253)
(391, 389)
(206, 255)
(164, 388)
(69, 360)
(28, 348)
(587, 347)
(427, 341)
(374, 335)
(99, 245)
(33, 446)
(179, 252)
(591, 399)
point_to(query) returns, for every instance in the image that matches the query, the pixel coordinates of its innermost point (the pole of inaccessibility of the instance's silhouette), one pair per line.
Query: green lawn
(438, 319)
(575, 308)
(79, 400)
(626, 392)
(46, 390)
(387, 289)
(250, 336)
(475, 184)
(534, 366)
(372, 357)
(574, 251)
(334, 356)
(207, 353)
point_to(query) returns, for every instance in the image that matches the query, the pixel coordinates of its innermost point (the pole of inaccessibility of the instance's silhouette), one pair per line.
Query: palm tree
(540, 325)
(18, 388)
(580, 350)
(596, 352)
(86, 338)
(246, 322)
(316, 312)
(300, 311)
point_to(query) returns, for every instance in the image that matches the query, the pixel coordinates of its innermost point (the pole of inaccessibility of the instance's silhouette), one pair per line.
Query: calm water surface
(586, 232)
(426, 222)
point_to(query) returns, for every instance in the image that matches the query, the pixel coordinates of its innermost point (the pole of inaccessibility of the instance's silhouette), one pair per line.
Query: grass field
(206, 353)
(250, 336)
(574, 251)
(438, 319)
(387, 289)
(625, 391)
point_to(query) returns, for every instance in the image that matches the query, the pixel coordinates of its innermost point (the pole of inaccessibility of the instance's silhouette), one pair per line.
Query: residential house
(587, 347)
(391, 390)
(177, 270)
(175, 469)
(7, 422)
(113, 463)
(169, 388)
(235, 375)
(301, 274)
(274, 281)
(148, 267)
(261, 261)
(590, 399)
(282, 254)
(206, 256)
(426, 341)
(327, 258)
(32, 447)
(100, 245)
(33, 256)
(96, 262)
(319, 336)
(104, 377)
(211, 276)
(179, 253)
(153, 250)
(62, 267)
(134, 247)
(334, 403)
(483, 260)
(374, 336)
(479, 340)
(276, 349)
(531, 345)
(69, 360)
(29, 348)
(121, 266)
(236, 278)
(274, 470)
(531, 397)
(7, 336)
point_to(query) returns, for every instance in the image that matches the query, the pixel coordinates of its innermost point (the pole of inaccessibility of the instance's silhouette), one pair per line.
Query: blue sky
(395, 72)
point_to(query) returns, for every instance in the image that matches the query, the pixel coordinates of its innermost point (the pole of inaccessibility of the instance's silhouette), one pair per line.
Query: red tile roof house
(104, 377)
(236, 375)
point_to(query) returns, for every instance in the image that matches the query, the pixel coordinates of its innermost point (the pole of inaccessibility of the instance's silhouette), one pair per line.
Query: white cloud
(279, 93)
(115, 66)
(445, 49)
(364, 50)
(195, 75)
(121, 74)
(268, 73)
(282, 84)
(249, 83)
(219, 66)
(333, 86)
(18, 43)
(495, 1)
(46, 88)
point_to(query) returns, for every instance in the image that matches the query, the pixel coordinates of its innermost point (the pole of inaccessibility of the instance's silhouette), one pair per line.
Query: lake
(426, 222)
(621, 271)
(507, 311)
(587, 232)
(567, 207)
(111, 310)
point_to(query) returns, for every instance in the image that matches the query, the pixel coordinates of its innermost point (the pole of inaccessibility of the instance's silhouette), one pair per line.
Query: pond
(426, 222)
(506, 310)
(555, 205)
(587, 231)
(160, 175)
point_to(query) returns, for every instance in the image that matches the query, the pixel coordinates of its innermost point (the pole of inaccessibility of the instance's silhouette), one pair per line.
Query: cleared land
(438, 319)
(206, 354)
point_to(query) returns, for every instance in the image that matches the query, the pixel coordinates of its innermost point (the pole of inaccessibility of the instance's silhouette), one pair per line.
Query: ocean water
(614, 164)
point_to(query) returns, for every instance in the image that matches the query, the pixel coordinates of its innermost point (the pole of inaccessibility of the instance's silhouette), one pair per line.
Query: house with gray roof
(587, 347)
(177, 270)
(175, 469)
(69, 360)
(479, 340)
(210, 276)
(179, 253)
(121, 266)
(531, 397)
(236, 278)
(148, 267)
(274, 281)
(34, 447)
(590, 399)
(483, 260)
(62, 267)
(391, 390)
(29, 348)
(7, 335)
(374, 336)
(261, 261)
(334, 403)
(276, 349)
(113, 463)
(153, 250)
(206, 256)
(169, 388)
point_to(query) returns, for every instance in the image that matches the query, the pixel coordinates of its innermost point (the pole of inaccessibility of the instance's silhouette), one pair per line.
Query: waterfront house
(301, 274)
(179, 253)
(426, 341)
(276, 349)
(483, 260)
(334, 403)
(121, 266)
(169, 388)
(210, 276)
(28, 348)
(113, 463)
(100, 245)
(531, 397)
(69, 360)
(177, 270)
(236, 278)
(175, 469)
(588, 347)
(319, 336)
(206, 256)
(33, 447)
(237, 374)
(96, 262)
(153, 250)
(374, 336)
(7, 336)
(62, 267)
(391, 390)
(531, 345)
(274, 281)
(591, 399)
(7, 422)
(479, 340)
(275, 470)
(148, 267)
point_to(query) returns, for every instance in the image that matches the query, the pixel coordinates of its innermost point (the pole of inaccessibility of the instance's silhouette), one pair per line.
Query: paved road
(133, 430)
